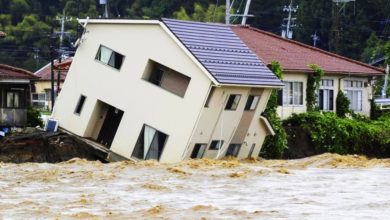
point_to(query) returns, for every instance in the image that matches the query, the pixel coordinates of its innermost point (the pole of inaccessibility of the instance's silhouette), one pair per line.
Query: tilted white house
(166, 90)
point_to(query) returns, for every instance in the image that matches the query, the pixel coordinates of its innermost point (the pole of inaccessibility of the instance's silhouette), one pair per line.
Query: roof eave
(334, 72)
(117, 21)
(253, 85)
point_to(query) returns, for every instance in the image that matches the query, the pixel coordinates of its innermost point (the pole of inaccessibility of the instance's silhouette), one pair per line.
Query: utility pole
(227, 13)
(287, 28)
(52, 57)
(63, 19)
(105, 3)
(315, 38)
(245, 16)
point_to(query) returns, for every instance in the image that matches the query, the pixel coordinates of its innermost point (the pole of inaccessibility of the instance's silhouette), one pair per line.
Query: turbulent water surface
(322, 187)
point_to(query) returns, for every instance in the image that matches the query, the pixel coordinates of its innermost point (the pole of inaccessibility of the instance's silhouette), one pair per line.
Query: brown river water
(327, 186)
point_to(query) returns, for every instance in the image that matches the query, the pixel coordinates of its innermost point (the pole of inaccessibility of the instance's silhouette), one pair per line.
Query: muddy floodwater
(322, 187)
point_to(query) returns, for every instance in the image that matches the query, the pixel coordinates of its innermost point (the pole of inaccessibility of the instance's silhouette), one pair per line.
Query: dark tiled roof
(222, 53)
(295, 56)
(10, 72)
(44, 73)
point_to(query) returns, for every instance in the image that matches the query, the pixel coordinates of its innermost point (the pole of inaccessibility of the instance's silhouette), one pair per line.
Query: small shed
(15, 95)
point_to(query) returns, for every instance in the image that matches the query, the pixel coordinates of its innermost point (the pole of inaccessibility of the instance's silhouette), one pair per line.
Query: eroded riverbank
(321, 187)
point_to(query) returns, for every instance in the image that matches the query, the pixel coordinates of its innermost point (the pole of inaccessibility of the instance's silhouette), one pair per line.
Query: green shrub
(343, 135)
(342, 104)
(34, 117)
(274, 146)
(313, 85)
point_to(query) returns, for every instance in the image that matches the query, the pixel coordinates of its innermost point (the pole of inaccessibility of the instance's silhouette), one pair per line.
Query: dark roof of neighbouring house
(295, 56)
(222, 53)
(44, 73)
(10, 72)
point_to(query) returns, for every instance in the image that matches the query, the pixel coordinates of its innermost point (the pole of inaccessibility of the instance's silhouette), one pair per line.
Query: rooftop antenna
(315, 38)
(290, 21)
(105, 3)
(343, 3)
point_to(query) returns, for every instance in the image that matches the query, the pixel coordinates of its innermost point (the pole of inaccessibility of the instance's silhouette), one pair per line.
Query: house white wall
(141, 101)
(216, 123)
(339, 84)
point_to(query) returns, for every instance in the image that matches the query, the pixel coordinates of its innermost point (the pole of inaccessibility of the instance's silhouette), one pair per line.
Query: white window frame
(326, 85)
(293, 95)
(39, 100)
(354, 88)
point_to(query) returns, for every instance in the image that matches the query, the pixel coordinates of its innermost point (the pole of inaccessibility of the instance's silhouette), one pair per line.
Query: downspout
(385, 84)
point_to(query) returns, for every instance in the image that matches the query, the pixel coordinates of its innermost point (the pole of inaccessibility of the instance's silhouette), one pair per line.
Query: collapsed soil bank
(43, 147)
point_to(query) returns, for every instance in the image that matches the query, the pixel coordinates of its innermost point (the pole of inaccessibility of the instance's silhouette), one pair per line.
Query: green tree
(342, 104)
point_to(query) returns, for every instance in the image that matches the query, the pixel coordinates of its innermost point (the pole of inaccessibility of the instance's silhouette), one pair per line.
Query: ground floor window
(14, 99)
(150, 144)
(325, 99)
(356, 99)
(233, 150)
(198, 151)
(216, 145)
(39, 100)
(292, 93)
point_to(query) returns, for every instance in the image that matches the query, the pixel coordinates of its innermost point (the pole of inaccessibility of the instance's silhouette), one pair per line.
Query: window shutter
(280, 97)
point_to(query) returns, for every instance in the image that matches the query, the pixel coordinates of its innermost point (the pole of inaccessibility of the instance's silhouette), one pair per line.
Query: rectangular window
(326, 95)
(216, 144)
(252, 102)
(209, 97)
(198, 151)
(293, 93)
(109, 57)
(38, 100)
(232, 102)
(80, 104)
(167, 78)
(354, 92)
(150, 144)
(233, 150)
(13, 99)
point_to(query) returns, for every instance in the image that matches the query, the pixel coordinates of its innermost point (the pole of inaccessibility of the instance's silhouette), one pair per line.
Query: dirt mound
(43, 147)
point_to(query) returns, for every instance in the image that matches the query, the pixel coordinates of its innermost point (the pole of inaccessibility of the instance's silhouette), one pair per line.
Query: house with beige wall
(41, 94)
(166, 90)
(352, 77)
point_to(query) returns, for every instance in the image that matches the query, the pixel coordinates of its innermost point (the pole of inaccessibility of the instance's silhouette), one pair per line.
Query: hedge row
(359, 135)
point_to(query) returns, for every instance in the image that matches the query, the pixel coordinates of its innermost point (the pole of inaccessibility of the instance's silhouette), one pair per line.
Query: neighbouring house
(166, 90)
(15, 87)
(354, 78)
(41, 96)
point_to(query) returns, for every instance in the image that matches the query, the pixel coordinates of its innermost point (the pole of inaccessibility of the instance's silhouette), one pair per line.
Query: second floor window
(232, 102)
(109, 57)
